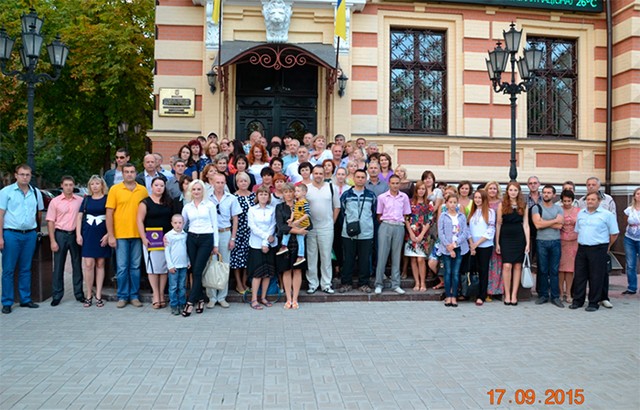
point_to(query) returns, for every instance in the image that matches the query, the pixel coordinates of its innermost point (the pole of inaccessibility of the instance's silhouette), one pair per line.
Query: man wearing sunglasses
(114, 176)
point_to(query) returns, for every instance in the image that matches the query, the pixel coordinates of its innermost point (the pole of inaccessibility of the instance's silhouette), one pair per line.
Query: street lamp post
(527, 65)
(29, 56)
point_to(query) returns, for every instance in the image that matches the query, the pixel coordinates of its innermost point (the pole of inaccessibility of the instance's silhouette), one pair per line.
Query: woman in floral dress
(240, 252)
(495, 287)
(418, 241)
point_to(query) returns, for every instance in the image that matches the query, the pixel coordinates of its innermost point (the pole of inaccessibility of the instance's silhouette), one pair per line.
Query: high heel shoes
(200, 307)
(188, 308)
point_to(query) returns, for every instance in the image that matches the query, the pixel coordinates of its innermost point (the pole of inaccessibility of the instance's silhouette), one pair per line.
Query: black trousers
(199, 247)
(590, 267)
(482, 259)
(67, 244)
(359, 249)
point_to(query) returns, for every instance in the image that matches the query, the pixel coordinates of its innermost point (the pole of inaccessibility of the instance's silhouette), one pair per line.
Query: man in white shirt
(324, 206)
(149, 173)
(292, 170)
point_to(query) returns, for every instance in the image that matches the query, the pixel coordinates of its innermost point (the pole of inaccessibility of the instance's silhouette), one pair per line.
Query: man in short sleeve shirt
(20, 206)
(122, 230)
(325, 206)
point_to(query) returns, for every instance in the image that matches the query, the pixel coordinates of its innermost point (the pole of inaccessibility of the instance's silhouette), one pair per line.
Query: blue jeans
(299, 239)
(631, 251)
(128, 256)
(548, 263)
(177, 287)
(18, 252)
(451, 273)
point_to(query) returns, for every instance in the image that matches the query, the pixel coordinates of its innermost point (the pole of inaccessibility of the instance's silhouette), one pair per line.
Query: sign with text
(585, 6)
(177, 102)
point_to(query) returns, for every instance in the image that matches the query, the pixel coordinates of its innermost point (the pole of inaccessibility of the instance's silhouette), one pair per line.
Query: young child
(175, 253)
(299, 218)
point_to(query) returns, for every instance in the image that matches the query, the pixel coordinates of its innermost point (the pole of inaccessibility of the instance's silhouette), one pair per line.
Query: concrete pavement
(344, 355)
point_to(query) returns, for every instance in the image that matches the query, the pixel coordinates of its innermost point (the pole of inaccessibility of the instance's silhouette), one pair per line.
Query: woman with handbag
(286, 262)
(632, 243)
(418, 242)
(482, 225)
(154, 220)
(262, 223)
(201, 221)
(512, 237)
(240, 252)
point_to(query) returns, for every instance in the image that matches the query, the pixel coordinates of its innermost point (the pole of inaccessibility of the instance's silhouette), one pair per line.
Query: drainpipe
(609, 129)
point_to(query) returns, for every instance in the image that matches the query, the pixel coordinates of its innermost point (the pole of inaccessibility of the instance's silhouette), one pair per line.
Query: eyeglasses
(118, 157)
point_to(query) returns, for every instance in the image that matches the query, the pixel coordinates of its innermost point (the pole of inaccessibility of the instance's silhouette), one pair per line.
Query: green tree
(108, 78)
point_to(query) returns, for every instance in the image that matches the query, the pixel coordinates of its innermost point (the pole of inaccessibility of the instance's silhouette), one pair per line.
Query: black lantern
(342, 82)
(212, 75)
(29, 53)
(527, 65)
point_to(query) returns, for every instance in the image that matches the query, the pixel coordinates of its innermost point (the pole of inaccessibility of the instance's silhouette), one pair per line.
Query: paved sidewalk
(391, 355)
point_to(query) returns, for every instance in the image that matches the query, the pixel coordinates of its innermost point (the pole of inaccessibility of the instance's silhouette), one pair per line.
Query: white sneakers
(378, 290)
(399, 290)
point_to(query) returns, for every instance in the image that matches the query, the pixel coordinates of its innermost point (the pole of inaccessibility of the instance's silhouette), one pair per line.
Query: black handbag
(470, 282)
(353, 228)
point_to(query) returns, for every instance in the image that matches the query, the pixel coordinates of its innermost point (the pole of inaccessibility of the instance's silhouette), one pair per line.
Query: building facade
(417, 82)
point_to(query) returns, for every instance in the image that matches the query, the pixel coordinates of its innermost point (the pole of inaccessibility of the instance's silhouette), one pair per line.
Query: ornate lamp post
(29, 56)
(527, 65)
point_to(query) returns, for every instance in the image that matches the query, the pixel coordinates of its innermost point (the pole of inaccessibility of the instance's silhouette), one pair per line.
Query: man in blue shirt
(597, 230)
(20, 206)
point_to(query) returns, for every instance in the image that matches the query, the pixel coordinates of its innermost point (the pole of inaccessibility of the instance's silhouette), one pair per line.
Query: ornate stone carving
(277, 17)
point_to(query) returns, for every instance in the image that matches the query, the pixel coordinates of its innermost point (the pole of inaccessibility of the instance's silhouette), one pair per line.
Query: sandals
(99, 303)
(255, 305)
(200, 307)
(438, 286)
(288, 305)
(87, 302)
(156, 305)
(266, 302)
(295, 306)
(188, 308)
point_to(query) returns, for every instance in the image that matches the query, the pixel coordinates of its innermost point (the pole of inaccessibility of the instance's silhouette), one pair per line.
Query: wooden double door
(276, 101)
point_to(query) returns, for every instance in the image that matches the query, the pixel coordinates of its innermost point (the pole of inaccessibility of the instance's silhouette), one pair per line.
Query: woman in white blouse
(201, 223)
(482, 224)
(261, 264)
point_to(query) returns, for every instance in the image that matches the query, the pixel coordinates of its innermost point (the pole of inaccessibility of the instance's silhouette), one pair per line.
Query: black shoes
(6, 309)
(591, 308)
(542, 300)
(30, 305)
(628, 292)
(574, 306)
(557, 302)
(55, 302)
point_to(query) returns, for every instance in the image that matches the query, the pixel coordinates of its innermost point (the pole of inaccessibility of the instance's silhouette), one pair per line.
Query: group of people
(287, 208)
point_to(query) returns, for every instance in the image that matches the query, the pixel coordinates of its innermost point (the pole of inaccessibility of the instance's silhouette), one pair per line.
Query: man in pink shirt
(393, 206)
(62, 217)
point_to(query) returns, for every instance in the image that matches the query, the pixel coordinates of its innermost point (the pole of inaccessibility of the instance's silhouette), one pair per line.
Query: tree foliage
(108, 78)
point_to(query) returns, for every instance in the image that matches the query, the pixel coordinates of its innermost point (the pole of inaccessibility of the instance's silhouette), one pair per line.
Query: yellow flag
(217, 4)
(341, 19)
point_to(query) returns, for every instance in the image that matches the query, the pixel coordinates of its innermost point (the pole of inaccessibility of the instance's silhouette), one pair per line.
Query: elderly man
(606, 202)
(149, 173)
(324, 205)
(336, 155)
(291, 154)
(292, 170)
(62, 217)
(597, 230)
(20, 206)
(159, 160)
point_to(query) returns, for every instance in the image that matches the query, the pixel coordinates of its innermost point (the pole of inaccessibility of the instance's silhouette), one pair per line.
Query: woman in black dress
(154, 220)
(512, 240)
(291, 275)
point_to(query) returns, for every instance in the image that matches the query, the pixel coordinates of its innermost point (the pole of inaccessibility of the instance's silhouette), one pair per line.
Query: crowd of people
(290, 208)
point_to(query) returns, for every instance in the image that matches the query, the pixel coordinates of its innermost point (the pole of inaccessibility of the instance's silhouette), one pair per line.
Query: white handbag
(527, 276)
(216, 273)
